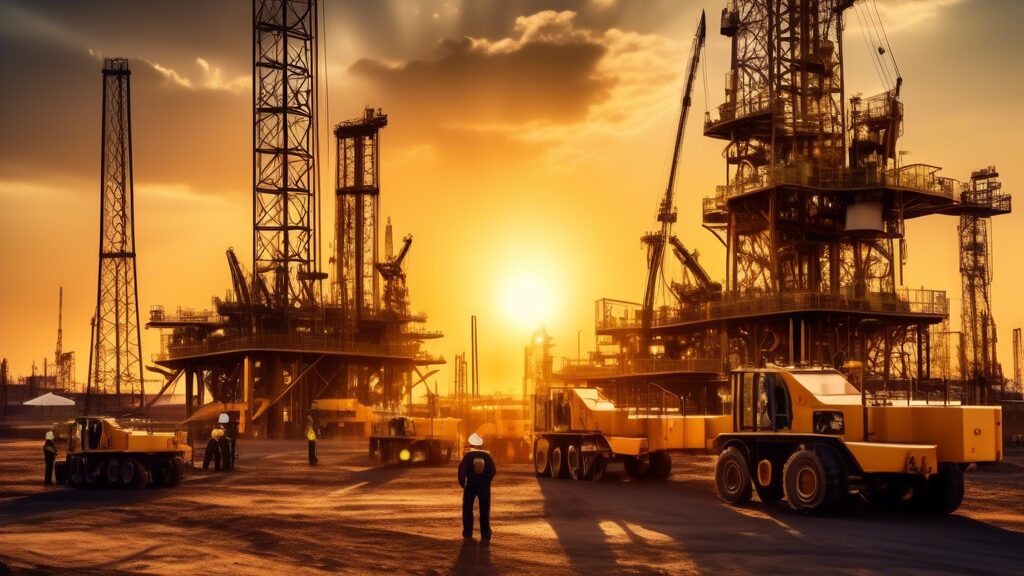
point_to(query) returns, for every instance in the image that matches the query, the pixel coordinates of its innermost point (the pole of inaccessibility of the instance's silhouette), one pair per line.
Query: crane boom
(666, 210)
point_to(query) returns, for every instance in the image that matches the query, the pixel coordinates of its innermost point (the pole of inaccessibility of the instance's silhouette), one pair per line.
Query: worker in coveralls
(311, 438)
(213, 449)
(475, 473)
(49, 454)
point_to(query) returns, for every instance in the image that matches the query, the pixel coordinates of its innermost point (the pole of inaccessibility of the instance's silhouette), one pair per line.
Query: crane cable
(876, 61)
(888, 47)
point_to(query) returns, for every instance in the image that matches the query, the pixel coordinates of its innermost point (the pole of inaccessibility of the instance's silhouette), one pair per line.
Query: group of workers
(476, 470)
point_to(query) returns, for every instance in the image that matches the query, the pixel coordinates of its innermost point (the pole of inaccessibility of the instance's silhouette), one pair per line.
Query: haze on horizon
(527, 148)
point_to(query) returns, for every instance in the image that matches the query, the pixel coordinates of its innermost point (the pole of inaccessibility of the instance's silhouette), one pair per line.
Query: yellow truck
(809, 436)
(96, 451)
(806, 435)
(414, 440)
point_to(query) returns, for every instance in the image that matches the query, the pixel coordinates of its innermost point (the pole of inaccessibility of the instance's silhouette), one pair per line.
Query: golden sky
(527, 149)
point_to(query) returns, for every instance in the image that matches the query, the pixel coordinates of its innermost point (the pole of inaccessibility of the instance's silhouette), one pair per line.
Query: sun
(527, 300)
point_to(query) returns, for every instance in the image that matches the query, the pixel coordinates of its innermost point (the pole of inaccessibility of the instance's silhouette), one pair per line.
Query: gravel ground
(276, 514)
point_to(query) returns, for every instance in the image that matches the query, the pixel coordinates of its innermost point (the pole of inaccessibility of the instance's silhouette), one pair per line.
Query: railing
(617, 314)
(585, 369)
(747, 106)
(918, 177)
(158, 314)
(292, 343)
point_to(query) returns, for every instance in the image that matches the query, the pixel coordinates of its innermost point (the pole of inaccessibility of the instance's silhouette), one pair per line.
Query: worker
(49, 454)
(213, 450)
(227, 454)
(311, 437)
(475, 473)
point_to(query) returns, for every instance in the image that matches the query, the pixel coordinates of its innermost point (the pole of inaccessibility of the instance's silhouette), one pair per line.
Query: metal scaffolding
(284, 145)
(812, 218)
(115, 363)
(275, 344)
(982, 197)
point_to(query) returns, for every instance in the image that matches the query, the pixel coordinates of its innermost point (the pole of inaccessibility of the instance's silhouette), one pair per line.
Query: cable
(867, 43)
(887, 46)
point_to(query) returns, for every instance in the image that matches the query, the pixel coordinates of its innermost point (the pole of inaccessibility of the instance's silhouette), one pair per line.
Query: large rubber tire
(540, 456)
(732, 477)
(574, 462)
(945, 490)
(130, 472)
(167, 472)
(596, 470)
(76, 474)
(813, 480)
(635, 467)
(556, 463)
(94, 471)
(113, 471)
(661, 466)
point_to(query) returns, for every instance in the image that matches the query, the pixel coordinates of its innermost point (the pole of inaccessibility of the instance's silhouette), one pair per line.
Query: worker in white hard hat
(475, 474)
(49, 455)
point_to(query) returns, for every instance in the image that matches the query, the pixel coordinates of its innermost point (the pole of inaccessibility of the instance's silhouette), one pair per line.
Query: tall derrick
(115, 365)
(284, 141)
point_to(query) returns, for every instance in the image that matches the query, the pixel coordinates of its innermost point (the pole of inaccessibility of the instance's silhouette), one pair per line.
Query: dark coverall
(475, 479)
(212, 453)
(49, 453)
(227, 454)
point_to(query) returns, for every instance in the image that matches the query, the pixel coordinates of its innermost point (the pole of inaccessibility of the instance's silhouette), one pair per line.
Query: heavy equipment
(577, 429)
(810, 436)
(805, 434)
(94, 451)
(414, 440)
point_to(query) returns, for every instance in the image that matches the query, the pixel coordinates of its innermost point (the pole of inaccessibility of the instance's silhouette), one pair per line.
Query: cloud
(210, 78)
(550, 80)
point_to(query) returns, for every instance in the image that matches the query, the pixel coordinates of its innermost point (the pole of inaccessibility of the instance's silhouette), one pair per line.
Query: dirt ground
(276, 515)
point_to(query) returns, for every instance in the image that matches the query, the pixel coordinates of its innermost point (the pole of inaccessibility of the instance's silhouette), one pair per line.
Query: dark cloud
(470, 83)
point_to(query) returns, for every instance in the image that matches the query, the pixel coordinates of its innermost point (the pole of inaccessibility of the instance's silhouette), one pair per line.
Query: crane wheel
(94, 473)
(574, 462)
(77, 472)
(596, 469)
(113, 471)
(556, 464)
(134, 474)
(540, 456)
(660, 466)
(732, 477)
(945, 490)
(813, 480)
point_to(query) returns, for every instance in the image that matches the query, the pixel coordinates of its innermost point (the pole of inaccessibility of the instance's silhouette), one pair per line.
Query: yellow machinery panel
(874, 457)
(443, 428)
(962, 433)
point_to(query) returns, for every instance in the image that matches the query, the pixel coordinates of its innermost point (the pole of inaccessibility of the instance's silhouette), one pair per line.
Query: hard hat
(223, 418)
(49, 435)
(475, 440)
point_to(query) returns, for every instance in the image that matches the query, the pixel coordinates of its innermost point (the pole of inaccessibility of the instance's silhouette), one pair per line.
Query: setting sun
(527, 300)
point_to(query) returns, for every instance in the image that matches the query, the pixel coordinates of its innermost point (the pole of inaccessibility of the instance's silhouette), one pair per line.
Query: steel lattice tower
(981, 198)
(116, 362)
(284, 145)
(358, 189)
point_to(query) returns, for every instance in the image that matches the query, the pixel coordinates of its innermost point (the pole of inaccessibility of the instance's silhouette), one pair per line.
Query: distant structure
(115, 364)
(980, 199)
(1018, 356)
(64, 362)
(812, 218)
(276, 342)
(4, 381)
